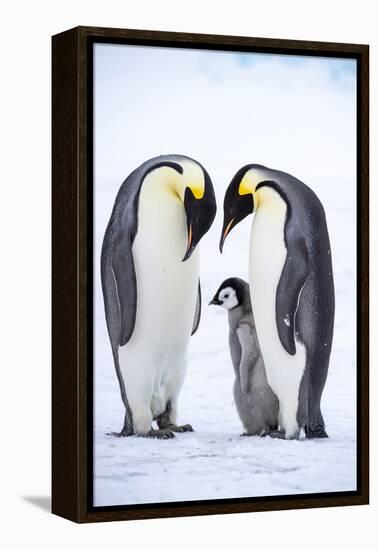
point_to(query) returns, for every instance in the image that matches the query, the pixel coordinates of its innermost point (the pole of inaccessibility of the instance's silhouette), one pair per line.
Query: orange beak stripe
(228, 228)
(190, 236)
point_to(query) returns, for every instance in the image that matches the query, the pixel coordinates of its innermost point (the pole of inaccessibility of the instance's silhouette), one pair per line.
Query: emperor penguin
(255, 401)
(292, 293)
(151, 288)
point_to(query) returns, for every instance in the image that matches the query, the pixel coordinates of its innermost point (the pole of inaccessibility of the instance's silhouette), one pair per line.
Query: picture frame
(72, 273)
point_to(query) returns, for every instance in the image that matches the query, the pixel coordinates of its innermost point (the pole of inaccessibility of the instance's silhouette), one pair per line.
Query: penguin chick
(255, 401)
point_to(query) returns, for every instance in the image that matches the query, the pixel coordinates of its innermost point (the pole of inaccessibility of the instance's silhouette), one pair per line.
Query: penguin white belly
(267, 257)
(153, 362)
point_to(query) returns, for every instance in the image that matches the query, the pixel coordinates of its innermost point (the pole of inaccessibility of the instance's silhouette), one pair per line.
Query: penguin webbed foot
(161, 433)
(164, 433)
(180, 429)
(281, 434)
(164, 422)
(125, 432)
(269, 430)
(262, 433)
(277, 434)
(315, 432)
(253, 434)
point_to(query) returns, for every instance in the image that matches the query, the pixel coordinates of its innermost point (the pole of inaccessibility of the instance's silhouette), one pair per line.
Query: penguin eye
(226, 296)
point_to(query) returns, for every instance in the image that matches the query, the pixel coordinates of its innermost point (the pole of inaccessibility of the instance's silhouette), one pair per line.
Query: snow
(215, 462)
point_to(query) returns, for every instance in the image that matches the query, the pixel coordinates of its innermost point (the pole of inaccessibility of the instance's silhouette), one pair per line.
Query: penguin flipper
(293, 277)
(248, 357)
(197, 313)
(125, 279)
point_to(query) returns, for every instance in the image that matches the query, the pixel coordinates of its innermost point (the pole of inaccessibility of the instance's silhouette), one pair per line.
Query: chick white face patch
(228, 298)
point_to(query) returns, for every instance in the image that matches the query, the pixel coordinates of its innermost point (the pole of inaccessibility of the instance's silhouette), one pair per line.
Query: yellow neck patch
(250, 181)
(197, 189)
(194, 178)
(248, 185)
(166, 178)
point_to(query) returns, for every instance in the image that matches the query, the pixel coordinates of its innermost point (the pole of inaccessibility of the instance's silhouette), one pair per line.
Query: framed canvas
(166, 148)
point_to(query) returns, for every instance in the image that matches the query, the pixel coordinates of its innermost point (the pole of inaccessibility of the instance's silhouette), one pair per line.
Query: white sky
(226, 110)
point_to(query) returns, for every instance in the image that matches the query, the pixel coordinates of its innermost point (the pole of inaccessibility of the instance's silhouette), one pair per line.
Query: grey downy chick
(255, 401)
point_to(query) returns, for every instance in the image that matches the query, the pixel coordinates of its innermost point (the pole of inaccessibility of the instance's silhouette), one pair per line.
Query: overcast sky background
(225, 109)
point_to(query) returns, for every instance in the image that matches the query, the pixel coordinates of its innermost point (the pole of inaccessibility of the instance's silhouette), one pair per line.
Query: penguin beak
(235, 208)
(225, 232)
(200, 214)
(215, 302)
(189, 248)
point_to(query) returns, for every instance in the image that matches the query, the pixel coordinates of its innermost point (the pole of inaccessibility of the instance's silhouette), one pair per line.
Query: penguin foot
(262, 433)
(164, 433)
(280, 434)
(265, 433)
(269, 430)
(164, 422)
(316, 432)
(125, 432)
(180, 429)
(277, 434)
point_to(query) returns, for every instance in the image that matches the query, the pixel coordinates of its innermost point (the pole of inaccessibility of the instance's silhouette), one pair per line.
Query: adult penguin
(150, 282)
(292, 290)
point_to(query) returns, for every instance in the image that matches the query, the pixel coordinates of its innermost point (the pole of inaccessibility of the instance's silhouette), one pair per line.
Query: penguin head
(230, 294)
(200, 210)
(189, 183)
(240, 199)
(193, 186)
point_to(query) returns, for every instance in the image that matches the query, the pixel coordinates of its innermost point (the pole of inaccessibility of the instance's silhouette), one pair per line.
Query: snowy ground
(214, 461)
(226, 110)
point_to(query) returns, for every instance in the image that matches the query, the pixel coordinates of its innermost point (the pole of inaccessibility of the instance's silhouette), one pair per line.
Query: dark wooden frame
(72, 280)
